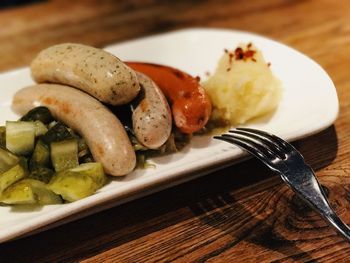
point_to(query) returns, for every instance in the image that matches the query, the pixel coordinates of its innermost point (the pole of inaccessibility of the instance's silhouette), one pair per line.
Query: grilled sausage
(151, 117)
(92, 70)
(103, 132)
(190, 105)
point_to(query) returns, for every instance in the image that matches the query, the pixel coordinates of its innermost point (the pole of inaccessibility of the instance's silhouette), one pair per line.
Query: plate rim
(56, 215)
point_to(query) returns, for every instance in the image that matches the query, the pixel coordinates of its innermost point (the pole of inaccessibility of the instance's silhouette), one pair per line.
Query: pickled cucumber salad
(42, 161)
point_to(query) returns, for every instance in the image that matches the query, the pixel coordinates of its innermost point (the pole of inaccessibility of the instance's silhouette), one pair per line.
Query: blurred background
(27, 26)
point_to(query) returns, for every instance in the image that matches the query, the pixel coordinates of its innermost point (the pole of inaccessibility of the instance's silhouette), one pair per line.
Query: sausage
(190, 104)
(103, 132)
(92, 70)
(151, 117)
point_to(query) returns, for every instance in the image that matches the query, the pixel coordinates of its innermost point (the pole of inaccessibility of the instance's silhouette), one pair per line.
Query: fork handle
(310, 191)
(333, 220)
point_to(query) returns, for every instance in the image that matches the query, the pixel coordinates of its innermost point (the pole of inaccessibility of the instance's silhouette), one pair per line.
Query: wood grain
(242, 213)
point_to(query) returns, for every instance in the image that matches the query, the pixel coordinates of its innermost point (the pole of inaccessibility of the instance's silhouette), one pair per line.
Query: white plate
(309, 105)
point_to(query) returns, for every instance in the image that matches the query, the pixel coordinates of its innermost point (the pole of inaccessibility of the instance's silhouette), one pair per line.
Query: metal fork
(283, 158)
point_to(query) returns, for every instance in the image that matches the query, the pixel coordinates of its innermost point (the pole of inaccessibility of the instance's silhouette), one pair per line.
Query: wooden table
(243, 213)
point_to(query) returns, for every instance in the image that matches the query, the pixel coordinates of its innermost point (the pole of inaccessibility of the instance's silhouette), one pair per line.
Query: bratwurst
(151, 117)
(90, 69)
(190, 104)
(103, 132)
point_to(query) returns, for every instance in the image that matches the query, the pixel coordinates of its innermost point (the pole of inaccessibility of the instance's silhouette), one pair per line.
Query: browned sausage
(191, 106)
(103, 132)
(151, 117)
(90, 69)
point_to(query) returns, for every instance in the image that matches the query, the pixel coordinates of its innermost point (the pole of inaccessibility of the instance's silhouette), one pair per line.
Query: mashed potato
(242, 87)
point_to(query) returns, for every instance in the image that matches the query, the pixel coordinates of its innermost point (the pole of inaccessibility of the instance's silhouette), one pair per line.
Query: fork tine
(253, 148)
(271, 147)
(272, 138)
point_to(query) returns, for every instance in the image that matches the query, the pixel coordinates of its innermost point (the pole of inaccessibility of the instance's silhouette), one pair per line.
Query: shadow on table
(271, 218)
(219, 199)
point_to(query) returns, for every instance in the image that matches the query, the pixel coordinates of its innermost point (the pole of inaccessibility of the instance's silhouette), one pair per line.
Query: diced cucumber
(64, 154)
(72, 186)
(88, 158)
(44, 195)
(38, 114)
(83, 149)
(20, 136)
(42, 174)
(94, 170)
(51, 124)
(79, 182)
(40, 128)
(7, 160)
(84, 153)
(29, 191)
(82, 146)
(2, 136)
(57, 133)
(18, 193)
(13, 175)
(40, 156)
